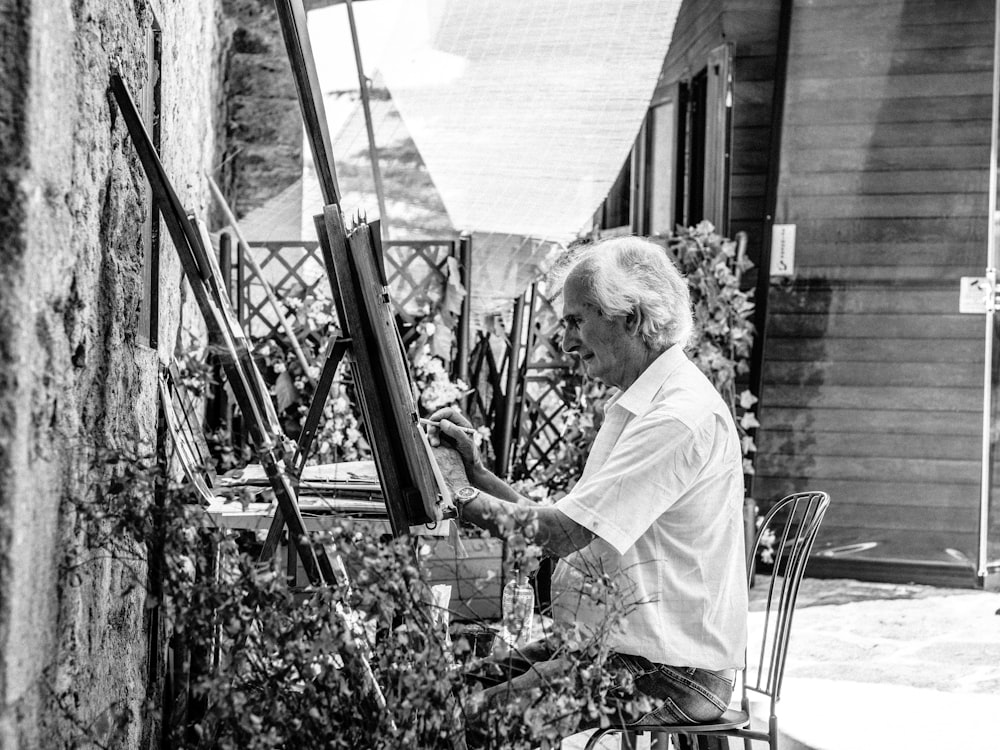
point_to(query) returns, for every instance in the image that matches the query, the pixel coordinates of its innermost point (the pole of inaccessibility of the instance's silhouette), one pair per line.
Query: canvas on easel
(413, 487)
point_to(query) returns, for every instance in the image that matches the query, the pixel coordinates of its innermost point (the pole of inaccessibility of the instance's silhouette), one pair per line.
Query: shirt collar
(638, 396)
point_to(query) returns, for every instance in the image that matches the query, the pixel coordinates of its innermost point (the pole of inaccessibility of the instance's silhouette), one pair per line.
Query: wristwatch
(463, 496)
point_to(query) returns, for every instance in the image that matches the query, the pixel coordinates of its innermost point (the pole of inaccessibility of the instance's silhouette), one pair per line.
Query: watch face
(466, 493)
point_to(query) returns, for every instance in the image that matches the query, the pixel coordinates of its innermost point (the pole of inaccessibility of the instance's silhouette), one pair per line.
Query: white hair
(626, 275)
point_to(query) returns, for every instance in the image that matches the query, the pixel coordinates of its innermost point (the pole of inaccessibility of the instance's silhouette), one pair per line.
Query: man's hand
(458, 429)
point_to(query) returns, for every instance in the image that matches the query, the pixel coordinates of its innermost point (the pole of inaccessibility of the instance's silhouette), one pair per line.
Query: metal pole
(991, 280)
(293, 340)
(771, 209)
(503, 446)
(465, 323)
(372, 149)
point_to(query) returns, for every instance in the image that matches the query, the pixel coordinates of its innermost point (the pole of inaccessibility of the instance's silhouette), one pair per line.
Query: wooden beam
(369, 128)
(292, 17)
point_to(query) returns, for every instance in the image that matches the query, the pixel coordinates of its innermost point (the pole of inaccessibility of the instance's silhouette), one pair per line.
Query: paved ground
(887, 666)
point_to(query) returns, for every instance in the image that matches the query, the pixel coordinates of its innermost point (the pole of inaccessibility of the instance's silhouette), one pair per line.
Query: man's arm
(452, 424)
(556, 533)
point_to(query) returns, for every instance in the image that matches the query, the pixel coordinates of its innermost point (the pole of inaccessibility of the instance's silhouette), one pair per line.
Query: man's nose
(570, 341)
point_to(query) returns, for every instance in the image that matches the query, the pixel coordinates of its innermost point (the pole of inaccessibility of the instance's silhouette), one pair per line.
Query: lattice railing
(417, 272)
(292, 269)
(524, 408)
(541, 404)
(270, 286)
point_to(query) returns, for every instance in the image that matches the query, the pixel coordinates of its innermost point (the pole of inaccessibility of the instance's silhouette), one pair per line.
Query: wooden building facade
(864, 126)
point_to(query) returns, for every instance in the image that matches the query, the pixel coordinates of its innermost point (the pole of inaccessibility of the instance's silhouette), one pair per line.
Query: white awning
(523, 113)
(525, 110)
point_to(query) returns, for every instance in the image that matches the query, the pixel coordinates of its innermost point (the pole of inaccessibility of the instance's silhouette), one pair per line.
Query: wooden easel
(230, 345)
(225, 335)
(413, 489)
(409, 494)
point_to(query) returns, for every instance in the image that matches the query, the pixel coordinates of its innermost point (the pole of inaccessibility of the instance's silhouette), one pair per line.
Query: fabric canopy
(521, 112)
(525, 110)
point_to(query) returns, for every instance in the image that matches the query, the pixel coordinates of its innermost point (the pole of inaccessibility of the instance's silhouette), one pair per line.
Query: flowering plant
(435, 386)
(723, 332)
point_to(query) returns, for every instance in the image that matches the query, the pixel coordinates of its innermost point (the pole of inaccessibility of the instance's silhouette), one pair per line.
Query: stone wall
(74, 377)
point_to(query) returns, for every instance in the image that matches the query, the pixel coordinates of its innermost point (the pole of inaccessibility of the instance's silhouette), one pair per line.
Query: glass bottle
(517, 605)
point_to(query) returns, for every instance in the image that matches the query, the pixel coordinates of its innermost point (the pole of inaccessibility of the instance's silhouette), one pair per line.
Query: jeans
(684, 695)
(678, 694)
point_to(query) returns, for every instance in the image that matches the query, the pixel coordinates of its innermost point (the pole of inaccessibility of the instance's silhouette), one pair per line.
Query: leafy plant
(276, 667)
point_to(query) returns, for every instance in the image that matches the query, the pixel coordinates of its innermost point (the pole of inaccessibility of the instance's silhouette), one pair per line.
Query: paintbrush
(430, 423)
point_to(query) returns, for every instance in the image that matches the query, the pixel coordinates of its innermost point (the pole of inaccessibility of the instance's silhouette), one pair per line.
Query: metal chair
(794, 522)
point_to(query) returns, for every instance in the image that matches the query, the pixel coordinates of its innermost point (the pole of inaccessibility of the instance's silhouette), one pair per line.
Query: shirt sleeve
(651, 465)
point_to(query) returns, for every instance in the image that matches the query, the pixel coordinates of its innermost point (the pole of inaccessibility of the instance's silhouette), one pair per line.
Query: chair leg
(712, 742)
(659, 741)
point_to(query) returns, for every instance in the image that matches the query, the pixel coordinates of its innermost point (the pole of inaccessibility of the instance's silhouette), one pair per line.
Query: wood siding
(872, 381)
(753, 26)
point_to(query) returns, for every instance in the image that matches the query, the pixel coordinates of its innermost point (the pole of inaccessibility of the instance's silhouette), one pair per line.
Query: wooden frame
(292, 17)
(411, 480)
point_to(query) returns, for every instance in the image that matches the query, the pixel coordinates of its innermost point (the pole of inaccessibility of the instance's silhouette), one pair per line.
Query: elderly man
(659, 505)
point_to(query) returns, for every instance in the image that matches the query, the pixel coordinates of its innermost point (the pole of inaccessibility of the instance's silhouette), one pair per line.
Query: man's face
(602, 343)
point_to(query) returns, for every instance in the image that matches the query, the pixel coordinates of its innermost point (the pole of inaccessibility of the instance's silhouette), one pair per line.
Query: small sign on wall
(974, 294)
(782, 249)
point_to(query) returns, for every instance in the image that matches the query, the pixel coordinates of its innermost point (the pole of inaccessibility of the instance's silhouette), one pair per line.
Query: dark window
(691, 170)
(617, 206)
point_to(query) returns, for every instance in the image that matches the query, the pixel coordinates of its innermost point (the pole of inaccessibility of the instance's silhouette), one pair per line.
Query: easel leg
(334, 355)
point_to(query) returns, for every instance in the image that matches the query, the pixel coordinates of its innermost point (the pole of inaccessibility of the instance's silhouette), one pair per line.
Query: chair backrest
(789, 530)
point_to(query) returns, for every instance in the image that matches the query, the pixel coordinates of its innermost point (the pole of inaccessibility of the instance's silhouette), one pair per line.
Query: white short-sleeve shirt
(663, 491)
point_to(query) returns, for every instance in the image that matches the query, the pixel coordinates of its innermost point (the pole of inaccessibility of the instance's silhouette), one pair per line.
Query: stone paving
(920, 636)
(892, 666)
(887, 666)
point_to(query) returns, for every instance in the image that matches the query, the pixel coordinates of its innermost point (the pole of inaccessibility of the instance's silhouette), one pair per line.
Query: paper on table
(307, 503)
(354, 475)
